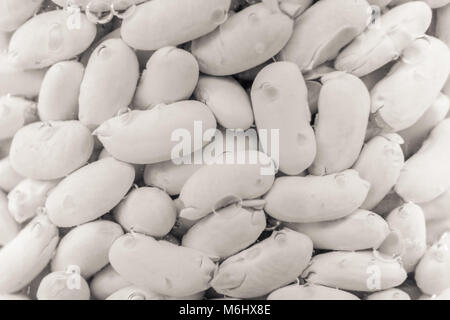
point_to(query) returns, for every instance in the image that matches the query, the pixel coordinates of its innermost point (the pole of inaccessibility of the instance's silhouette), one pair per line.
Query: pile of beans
(340, 189)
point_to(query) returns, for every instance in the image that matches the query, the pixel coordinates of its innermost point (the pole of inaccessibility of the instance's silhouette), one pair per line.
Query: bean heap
(350, 200)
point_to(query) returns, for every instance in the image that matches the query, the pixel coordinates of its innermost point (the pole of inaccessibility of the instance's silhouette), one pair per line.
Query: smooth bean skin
(9, 228)
(436, 228)
(171, 176)
(48, 38)
(417, 78)
(265, 266)
(444, 295)
(409, 221)
(220, 184)
(384, 42)
(431, 273)
(415, 135)
(380, 163)
(365, 271)
(341, 21)
(86, 246)
(57, 286)
(227, 99)
(247, 39)
(19, 82)
(157, 24)
(31, 249)
(168, 176)
(393, 245)
(438, 208)
(109, 82)
(155, 129)
(432, 3)
(162, 267)
(80, 197)
(106, 282)
(13, 13)
(13, 296)
(147, 210)
(428, 165)
(369, 228)
(15, 113)
(171, 75)
(60, 89)
(39, 150)
(139, 169)
(86, 55)
(389, 294)
(280, 105)
(226, 231)
(316, 198)
(310, 292)
(9, 178)
(27, 197)
(339, 141)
